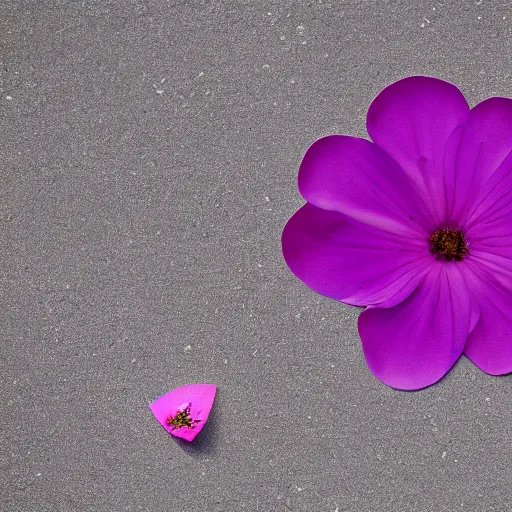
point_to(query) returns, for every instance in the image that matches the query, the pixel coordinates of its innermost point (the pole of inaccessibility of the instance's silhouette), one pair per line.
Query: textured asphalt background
(149, 160)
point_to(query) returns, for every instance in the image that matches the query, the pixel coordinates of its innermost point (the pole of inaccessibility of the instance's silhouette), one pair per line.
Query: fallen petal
(183, 411)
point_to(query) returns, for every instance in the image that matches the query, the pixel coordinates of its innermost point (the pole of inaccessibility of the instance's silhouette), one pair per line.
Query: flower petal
(415, 343)
(489, 346)
(489, 228)
(200, 398)
(350, 261)
(484, 147)
(493, 200)
(495, 259)
(355, 177)
(412, 120)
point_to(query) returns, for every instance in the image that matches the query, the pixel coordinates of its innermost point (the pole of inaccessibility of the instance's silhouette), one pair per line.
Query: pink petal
(489, 346)
(353, 262)
(415, 343)
(199, 396)
(355, 177)
(412, 120)
(485, 143)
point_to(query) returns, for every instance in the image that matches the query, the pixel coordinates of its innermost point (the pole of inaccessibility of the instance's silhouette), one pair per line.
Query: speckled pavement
(149, 153)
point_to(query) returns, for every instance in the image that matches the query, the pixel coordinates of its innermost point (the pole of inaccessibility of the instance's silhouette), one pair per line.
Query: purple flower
(417, 227)
(183, 411)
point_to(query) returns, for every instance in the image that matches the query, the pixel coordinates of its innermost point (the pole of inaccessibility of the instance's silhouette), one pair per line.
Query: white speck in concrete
(200, 74)
(443, 455)
(225, 361)
(159, 91)
(265, 66)
(134, 360)
(8, 98)
(188, 348)
(38, 474)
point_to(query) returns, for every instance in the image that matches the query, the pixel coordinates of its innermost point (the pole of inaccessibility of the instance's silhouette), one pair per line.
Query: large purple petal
(495, 259)
(352, 262)
(489, 346)
(415, 343)
(355, 177)
(412, 120)
(493, 201)
(489, 225)
(485, 145)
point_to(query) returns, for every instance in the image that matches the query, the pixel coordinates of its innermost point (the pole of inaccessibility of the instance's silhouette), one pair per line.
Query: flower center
(448, 244)
(182, 418)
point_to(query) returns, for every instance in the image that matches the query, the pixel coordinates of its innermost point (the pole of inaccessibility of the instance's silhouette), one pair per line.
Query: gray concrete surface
(149, 159)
